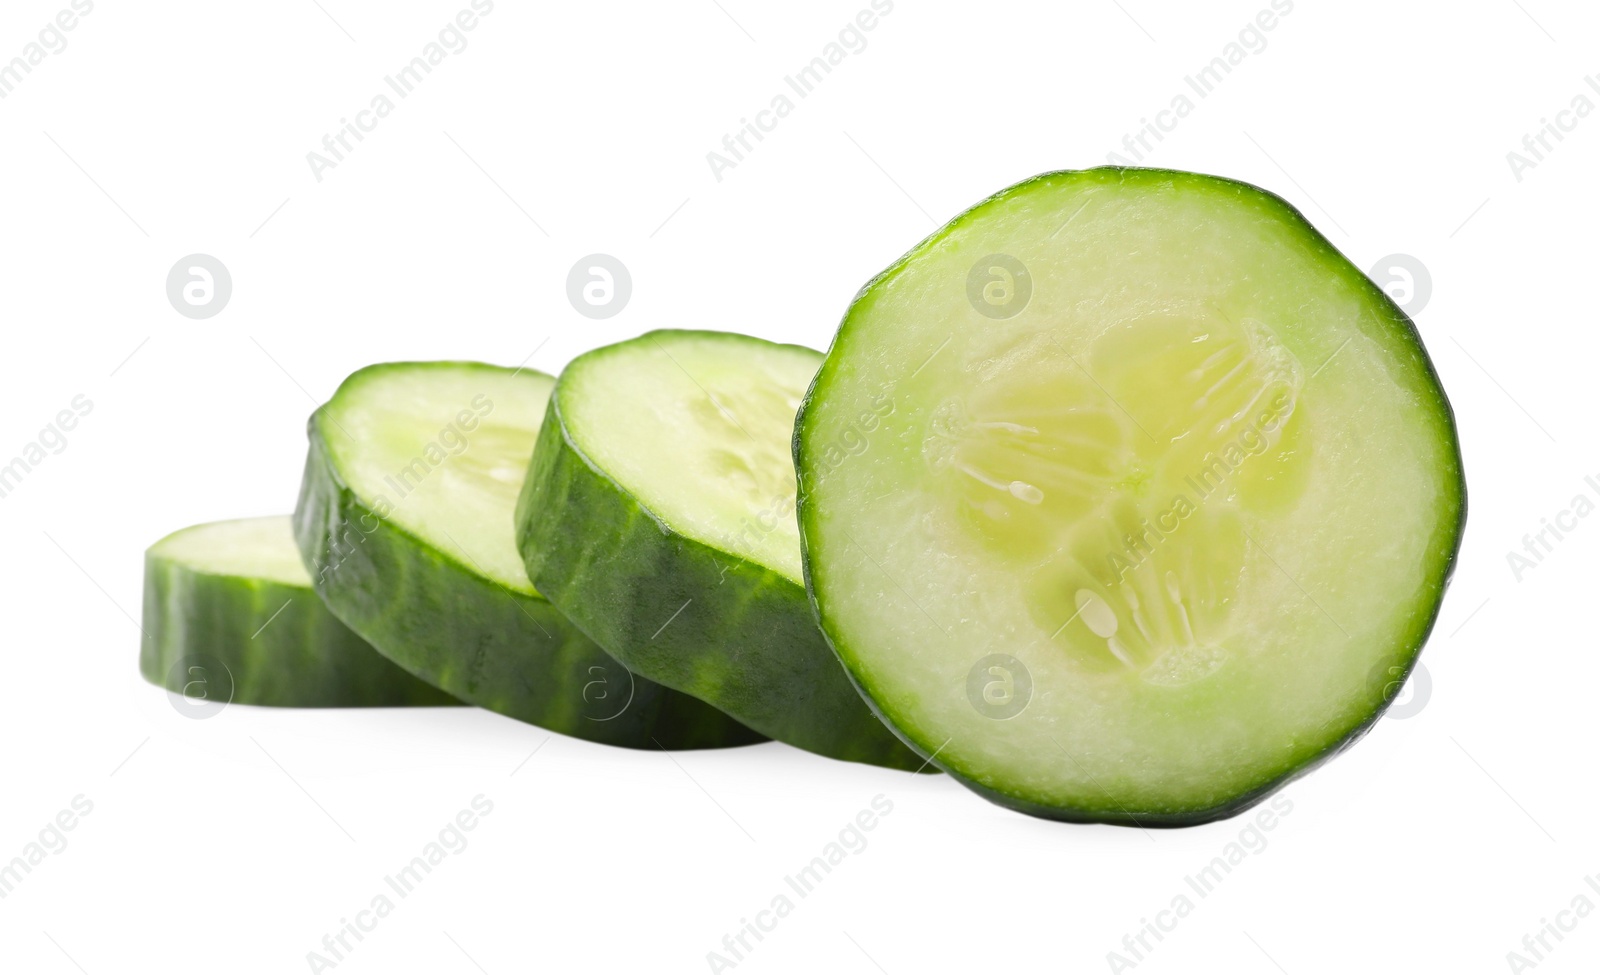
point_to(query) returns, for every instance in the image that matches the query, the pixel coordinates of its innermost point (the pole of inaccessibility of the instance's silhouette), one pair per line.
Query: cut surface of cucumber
(1164, 482)
(405, 522)
(230, 617)
(658, 514)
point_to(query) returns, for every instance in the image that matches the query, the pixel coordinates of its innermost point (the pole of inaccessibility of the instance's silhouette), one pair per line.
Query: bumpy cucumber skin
(508, 652)
(300, 657)
(740, 636)
(1110, 812)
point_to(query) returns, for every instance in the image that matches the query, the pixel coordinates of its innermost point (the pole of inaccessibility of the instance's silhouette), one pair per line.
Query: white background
(235, 844)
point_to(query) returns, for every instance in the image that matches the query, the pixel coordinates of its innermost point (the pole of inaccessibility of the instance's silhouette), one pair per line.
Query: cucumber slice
(1166, 480)
(658, 514)
(228, 605)
(405, 523)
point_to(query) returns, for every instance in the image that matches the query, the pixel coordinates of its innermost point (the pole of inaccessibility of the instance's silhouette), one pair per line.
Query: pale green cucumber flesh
(230, 617)
(1119, 490)
(405, 521)
(658, 515)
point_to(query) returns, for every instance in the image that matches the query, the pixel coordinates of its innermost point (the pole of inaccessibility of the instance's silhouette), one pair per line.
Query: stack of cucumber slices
(1109, 499)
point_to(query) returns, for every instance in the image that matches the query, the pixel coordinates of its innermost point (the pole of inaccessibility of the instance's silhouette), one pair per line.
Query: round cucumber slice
(658, 514)
(405, 523)
(1165, 483)
(229, 607)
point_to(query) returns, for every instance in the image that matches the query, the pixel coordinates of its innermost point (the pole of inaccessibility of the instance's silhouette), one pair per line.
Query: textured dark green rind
(686, 614)
(1108, 810)
(280, 645)
(509, 652)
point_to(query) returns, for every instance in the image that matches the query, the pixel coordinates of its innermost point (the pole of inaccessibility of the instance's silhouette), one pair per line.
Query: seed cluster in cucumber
(1124, 497)
(1166, 480)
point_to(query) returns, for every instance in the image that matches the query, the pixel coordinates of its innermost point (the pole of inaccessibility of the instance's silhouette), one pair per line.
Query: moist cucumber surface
(229, 616)
(405, 523)
(658, 514)
(1165, 482)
